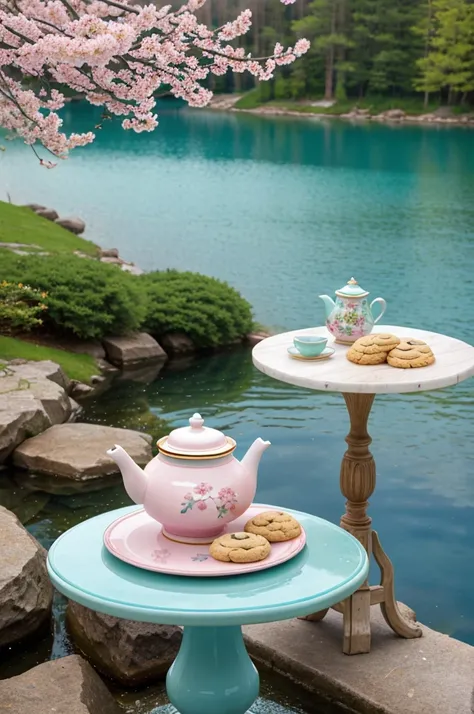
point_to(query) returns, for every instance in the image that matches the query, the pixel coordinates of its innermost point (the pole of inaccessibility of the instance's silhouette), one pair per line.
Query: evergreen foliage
(365, 48)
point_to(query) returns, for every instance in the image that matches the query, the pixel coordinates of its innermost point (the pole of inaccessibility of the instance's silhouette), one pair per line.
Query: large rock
(25, 590)
(134, 349)
(21, 415)
(177, 343)
(109, 253)
(46, 368)
(392, 115)
(78, 451)
(134, 653)
(33, 397)
(79, 390)
(62, 686)
(74, 225)
(49, 213)
(35, 207)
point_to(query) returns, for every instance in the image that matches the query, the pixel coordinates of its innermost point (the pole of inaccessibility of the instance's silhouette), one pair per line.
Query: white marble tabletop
(454, 363)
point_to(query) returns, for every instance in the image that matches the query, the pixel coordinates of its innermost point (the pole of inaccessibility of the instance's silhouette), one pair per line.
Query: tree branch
(14, 101)
(118, 5)
(70, 9)
(18, 34)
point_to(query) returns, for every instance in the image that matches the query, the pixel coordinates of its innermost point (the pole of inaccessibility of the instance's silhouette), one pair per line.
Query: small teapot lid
(196, 441)
(352, 289)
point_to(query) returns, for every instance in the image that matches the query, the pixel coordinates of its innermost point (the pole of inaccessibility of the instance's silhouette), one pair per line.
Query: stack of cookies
(404, 353)
(254, 543)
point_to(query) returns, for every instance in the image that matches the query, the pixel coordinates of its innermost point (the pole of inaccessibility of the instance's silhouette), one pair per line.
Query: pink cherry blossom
(227, 495)
(202, 505)
(202, 488)
(119, 56)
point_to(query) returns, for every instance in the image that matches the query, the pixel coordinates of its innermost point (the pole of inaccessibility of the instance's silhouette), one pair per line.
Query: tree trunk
(427, 49)
(341, 53)
(328, 84)
(329, 78)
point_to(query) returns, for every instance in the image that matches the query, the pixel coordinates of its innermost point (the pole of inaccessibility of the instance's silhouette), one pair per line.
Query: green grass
(250, 100)
(21, 225)
(375, 105)
(76, 366)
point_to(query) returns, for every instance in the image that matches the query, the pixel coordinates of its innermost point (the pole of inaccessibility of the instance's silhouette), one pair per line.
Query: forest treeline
(360, 48)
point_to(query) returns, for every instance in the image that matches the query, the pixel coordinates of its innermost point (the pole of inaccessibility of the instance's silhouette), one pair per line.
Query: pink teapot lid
(196, 441)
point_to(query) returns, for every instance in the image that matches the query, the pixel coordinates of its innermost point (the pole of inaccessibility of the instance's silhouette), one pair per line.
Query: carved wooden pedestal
(357, 485)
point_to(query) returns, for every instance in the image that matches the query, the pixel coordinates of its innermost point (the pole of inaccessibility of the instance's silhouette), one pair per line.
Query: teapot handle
(383, 307)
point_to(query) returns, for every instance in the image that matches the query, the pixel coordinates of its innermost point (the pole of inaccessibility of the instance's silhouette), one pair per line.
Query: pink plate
(137, 539)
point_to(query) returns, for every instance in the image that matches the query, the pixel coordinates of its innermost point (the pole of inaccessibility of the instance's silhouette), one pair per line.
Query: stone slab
(63, 686)
(33, 396)
(137, 349)
(78, 451)
(430, 675)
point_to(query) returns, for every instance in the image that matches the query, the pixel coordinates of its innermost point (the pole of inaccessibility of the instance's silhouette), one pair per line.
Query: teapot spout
(252, 458)
(329, 304)
(135, 479)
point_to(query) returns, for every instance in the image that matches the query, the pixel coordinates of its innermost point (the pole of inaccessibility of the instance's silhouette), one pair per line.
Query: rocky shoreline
(441, 116)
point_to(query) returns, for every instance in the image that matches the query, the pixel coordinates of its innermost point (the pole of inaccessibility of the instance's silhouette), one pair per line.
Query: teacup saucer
(325, 354)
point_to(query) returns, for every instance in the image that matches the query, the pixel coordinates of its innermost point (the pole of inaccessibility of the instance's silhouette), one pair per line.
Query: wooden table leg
(357, 482)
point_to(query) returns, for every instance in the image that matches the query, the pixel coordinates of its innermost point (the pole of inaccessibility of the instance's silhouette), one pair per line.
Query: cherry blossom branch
(118, 60)
(119, 6)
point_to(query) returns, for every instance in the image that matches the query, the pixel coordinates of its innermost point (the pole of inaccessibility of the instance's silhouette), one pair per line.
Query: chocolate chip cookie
(411, 353)
(275, 526)
(240, 548)
(372, 349)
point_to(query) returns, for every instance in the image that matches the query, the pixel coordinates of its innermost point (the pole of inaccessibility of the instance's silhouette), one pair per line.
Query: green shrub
(21, 308)
(208, 310)
(85, 297)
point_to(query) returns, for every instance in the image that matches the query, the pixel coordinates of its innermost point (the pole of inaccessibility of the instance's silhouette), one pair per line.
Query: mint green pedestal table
(212, 673)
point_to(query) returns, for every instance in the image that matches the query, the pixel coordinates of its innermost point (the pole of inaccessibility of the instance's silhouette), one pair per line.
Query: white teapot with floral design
(195, 486)
(350, 316)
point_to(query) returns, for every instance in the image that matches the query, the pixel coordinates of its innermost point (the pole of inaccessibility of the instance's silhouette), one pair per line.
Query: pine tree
(385, 46)
(424, 29)
(449, 63)
(325, 27)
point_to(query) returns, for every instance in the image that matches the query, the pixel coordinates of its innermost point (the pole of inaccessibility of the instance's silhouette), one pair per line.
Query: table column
(212, 673)
(357, 481)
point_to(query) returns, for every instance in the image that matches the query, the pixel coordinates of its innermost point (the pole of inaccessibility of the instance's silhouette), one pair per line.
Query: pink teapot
(194, 487)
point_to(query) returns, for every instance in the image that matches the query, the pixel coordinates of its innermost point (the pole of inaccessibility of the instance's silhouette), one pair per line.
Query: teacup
(310, 345)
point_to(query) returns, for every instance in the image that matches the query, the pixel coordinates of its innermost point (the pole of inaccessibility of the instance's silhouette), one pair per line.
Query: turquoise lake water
(285, 210)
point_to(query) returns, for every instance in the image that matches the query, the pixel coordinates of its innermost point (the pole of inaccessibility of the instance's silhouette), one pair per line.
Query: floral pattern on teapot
(352, 319)
(225, 501)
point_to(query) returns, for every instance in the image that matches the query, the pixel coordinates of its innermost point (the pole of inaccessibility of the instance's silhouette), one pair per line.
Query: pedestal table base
(357, 485)
(212, 673)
